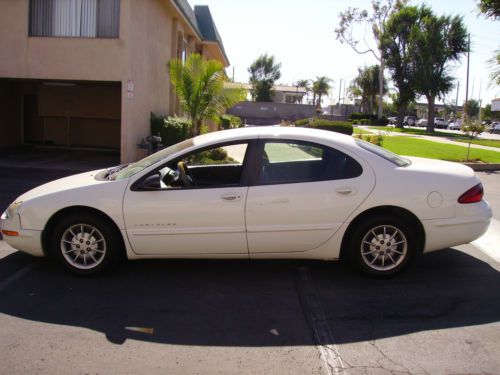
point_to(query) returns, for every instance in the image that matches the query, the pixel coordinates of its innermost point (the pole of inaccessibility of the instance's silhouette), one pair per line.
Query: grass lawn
(434, 150)
(451, 136)
(482, 142)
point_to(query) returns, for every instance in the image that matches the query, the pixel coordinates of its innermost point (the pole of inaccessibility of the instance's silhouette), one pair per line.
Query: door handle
(346, 191)
(231, 196)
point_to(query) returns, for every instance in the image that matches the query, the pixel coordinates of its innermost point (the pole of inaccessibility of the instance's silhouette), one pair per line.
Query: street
(441, 316)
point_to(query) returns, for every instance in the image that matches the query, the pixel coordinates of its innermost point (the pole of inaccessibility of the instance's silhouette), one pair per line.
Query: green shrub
(344, 127)
(171, 129)
(368, 119)
(355, 122)
(229, 121)
(362, 116)
(375, 139)
(302, 122)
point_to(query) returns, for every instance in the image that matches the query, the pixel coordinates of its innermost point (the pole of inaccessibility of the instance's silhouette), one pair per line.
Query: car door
(207, 217)
(303, 194)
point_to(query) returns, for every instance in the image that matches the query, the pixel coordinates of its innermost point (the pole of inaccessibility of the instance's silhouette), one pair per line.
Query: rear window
(383, 153)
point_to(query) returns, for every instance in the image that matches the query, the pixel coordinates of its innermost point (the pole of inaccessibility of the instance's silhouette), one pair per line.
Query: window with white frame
(74, 18)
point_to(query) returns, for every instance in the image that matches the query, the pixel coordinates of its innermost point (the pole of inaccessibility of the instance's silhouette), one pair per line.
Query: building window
(74, 18)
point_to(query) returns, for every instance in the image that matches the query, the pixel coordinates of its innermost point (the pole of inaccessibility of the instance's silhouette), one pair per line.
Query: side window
(293, 162)
(216, 166)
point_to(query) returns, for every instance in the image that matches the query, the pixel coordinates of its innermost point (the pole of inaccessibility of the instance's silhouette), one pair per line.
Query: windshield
(383, 153)
(142, 164)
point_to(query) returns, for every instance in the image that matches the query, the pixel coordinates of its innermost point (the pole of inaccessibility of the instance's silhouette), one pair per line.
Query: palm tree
(305, 83)
(367, 83)
(199, 84)
(321, 87)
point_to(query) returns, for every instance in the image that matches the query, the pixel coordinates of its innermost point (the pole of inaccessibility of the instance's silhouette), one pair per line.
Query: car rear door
(303, 193)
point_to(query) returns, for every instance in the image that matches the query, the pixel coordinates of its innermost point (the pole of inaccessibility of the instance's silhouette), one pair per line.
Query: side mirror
(151, 183)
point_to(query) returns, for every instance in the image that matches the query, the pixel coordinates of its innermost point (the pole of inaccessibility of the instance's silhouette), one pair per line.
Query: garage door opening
(61, 114)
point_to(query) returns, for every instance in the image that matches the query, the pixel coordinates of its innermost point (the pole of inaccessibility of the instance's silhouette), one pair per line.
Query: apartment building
(88, 73)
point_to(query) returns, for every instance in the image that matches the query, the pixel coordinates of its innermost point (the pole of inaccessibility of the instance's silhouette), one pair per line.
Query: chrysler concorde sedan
(258, 193)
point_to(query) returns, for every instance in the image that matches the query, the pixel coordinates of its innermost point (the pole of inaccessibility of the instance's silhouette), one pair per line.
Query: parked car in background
(440, 123)
(495, 128)
(455, 125)
(410, 120)
(392, 120)
(422, 123)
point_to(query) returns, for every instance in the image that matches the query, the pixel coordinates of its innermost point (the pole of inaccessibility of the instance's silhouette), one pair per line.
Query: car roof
(278, 132)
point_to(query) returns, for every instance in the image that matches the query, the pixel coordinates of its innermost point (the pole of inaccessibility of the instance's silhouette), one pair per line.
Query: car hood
(63, 184)
(439, 167)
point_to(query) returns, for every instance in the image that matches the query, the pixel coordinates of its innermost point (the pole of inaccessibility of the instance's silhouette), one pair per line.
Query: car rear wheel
(85, 244)
(382, 246)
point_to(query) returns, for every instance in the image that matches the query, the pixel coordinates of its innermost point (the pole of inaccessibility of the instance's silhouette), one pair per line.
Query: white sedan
(259, 193)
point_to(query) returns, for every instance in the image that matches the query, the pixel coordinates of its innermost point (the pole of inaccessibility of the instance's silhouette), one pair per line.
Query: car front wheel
(85, 244)
(382, 246)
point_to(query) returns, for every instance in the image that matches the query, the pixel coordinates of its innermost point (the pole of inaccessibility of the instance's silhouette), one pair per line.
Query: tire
(371, 249)
(85, 244)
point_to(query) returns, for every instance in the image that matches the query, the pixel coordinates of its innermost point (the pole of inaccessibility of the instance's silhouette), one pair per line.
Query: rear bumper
(28, 241)
(471, 222)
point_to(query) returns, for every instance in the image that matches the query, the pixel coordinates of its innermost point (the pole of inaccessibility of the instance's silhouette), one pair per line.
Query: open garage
(60, 114)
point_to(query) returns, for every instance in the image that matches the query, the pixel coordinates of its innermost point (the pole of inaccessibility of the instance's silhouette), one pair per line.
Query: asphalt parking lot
(442, 316)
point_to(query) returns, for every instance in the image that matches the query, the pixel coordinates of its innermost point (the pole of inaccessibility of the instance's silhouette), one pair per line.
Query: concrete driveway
(442, 316)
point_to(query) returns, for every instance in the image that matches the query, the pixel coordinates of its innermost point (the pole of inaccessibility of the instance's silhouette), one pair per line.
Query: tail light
(473, 195)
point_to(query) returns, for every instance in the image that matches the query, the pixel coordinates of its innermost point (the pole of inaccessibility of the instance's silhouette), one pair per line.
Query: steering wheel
(183, 174)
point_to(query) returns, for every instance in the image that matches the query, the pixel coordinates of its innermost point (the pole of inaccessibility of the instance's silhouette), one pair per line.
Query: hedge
(344, 127)
(172, 130)
(367, 119)
(229, 121)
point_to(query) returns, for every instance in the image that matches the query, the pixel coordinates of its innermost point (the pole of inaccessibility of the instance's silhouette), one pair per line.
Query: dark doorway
(31, 122)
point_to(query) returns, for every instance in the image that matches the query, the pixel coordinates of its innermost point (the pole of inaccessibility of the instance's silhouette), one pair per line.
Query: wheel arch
(47, 231)
(395, 211)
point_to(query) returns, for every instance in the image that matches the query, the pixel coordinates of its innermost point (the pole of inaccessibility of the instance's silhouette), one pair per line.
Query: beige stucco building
(88, 73)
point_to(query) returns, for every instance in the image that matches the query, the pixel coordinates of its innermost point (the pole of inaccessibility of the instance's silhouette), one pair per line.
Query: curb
(481, 167)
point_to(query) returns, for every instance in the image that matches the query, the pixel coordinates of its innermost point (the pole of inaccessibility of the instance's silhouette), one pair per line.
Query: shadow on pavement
(244, 303)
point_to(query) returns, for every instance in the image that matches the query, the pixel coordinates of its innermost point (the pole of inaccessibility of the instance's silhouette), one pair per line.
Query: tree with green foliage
(264, 72)
(494, 65)
(396, 45)
(376, 20)
(486, 114)
(199, 84)
(437, 42)
(490, 8)
(321, 86)
(368, 83)
(472, 129)
(471, 108)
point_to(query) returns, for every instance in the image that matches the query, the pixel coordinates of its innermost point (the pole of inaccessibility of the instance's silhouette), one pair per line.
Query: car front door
(192, 206)
(304, 193)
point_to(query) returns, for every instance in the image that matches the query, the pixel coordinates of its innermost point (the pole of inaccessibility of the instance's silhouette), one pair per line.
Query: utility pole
(340, 92)
(456, 100)
(464, 114)
(480, 100)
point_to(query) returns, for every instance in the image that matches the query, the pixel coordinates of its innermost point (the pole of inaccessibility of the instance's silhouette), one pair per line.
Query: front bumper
(28, 241)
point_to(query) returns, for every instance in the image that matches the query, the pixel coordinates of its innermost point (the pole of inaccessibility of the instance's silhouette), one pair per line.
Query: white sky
(300, 34)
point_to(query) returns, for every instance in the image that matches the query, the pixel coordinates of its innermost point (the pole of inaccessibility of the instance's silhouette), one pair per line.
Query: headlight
(12, 210)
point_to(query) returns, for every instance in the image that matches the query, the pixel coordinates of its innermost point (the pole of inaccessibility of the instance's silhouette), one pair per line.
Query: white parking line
(18, 275)
(489, 243)
(315, 314)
